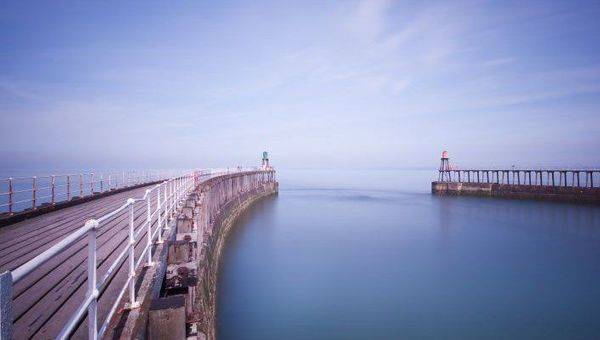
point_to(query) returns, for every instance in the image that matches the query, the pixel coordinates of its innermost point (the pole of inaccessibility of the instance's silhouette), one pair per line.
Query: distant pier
(566, 185)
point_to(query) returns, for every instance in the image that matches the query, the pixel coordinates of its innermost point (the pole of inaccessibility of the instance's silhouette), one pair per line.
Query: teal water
(372, 255)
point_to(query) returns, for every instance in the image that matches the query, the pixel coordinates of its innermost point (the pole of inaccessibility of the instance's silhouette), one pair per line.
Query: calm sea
(373, 255)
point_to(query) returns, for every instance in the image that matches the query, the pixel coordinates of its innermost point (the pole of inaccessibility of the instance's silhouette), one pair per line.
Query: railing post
(68, 187)
(6, 310)
(80, 185)
(10, 196)
(173, 193)
(560, 178)
(149, 262)
(92, 183)
(159, 211)
(123, 180)
(101, 183)
(33, 191)
(53, 185)
(179, 188)
(92, 289)
(166, 202)
(132, 303)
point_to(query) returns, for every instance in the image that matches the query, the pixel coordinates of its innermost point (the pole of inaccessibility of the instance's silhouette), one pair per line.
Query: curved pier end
(178, 295)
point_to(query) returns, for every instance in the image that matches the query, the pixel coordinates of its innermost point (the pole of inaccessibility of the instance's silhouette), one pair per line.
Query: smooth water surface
(372, 255)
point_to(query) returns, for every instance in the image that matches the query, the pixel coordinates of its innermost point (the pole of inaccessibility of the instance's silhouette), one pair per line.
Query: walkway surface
(44, 299)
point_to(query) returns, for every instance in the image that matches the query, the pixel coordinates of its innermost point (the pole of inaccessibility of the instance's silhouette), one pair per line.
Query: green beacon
(265, 160)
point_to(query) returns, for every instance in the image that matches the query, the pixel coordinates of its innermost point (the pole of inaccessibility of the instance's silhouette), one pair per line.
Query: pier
(567, 185)
(91, 268)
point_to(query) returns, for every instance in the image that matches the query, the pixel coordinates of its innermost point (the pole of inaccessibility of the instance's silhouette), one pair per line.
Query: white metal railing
(21, 193)
(168, 194)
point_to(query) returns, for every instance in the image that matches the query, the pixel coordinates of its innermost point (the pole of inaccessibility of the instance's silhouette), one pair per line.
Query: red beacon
(444, 173)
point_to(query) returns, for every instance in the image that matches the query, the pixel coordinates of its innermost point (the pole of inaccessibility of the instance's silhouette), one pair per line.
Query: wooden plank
(25, 244)
(34, 245)
(48, 296)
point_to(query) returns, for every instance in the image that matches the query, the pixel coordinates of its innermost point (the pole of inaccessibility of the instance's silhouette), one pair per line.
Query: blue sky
(318, 84)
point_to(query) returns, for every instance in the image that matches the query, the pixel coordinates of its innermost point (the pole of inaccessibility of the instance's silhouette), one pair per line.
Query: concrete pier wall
(210, 256)
(537, 192)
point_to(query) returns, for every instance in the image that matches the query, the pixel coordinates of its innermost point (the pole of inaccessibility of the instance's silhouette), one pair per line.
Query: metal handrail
(536, 177)
(169, 195)
(68, 186)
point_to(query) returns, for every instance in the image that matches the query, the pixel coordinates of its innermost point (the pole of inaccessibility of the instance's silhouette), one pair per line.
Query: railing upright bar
(10, 196)
(68, 187)
(173, 193)
(168, 200)
(149, 262)
(53, 186)
(132, 303)
(92, 282)
(33, 191)
(159, 211)
(166, 203)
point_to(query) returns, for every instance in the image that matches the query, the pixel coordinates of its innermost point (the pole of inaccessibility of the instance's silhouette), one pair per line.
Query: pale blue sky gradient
(318, 84)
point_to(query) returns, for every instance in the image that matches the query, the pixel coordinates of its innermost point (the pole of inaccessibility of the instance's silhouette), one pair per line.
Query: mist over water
(372, 255)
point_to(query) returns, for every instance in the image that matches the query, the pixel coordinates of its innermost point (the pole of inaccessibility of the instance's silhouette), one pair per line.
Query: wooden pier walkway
(64, 273)
(53, 291)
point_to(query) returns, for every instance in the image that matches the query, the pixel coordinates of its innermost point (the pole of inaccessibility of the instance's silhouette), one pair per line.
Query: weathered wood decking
(46, 298)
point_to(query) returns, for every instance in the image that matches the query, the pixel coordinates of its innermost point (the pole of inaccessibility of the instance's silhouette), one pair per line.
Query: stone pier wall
(193, 256)
(549, 193)
(210, 256)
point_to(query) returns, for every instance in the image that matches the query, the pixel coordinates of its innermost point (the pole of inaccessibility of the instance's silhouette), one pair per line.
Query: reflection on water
(359, 261)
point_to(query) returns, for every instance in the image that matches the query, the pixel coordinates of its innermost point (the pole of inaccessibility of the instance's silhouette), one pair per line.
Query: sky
(319, 84)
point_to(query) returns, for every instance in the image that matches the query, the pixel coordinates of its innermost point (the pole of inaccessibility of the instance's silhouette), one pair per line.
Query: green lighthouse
(265, 160)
